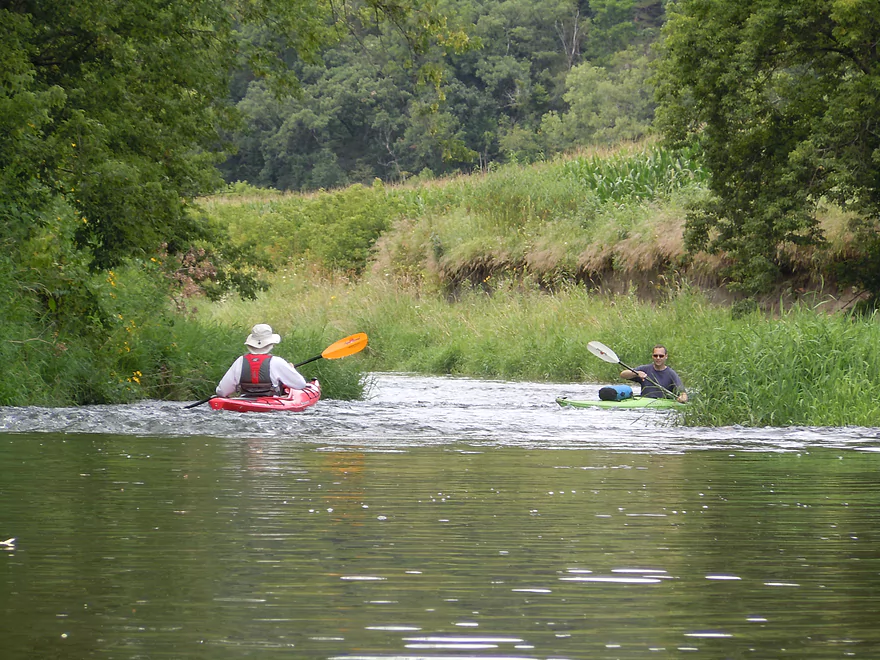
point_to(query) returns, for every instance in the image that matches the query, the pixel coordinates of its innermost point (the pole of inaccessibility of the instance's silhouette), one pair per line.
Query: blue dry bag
(615, 392)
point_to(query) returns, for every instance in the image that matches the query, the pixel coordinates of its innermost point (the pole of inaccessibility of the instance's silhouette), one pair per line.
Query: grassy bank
(601, 219)
(558, 221)
(803, 367)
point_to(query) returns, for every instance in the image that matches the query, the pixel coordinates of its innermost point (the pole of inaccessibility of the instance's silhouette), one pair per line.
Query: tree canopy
(534, 79)
(113, 118)
(112, 109)
(782, 98)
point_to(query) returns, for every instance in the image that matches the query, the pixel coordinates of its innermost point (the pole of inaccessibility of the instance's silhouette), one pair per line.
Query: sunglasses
(658, 355)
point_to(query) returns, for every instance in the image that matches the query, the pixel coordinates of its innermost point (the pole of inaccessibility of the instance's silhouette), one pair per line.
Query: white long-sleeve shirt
(281, 373)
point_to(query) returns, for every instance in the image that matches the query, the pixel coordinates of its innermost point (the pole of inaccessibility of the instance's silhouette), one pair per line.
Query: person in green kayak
(258, 373)
(657, 376)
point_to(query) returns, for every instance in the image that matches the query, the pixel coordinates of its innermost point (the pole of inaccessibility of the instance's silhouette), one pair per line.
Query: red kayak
(294, 401)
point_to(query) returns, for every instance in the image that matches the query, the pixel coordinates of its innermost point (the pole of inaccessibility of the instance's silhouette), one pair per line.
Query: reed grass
(801, 369)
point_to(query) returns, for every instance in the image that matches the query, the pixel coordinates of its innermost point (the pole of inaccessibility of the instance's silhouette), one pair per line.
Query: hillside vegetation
(607, 219)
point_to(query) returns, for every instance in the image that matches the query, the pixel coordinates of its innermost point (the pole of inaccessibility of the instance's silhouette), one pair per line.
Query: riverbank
(509, 274)
(140, 347)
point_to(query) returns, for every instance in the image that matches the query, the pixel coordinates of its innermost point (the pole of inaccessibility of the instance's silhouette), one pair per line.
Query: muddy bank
(653, 286)
(657, 283)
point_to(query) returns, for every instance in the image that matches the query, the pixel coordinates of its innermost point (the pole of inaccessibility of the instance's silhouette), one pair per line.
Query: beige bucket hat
(261, 339)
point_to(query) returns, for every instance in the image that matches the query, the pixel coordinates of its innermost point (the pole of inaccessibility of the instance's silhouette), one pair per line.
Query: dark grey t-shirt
(667, 378)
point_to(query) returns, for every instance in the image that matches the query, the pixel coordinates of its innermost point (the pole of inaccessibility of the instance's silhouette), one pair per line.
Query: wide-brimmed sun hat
(261, 339)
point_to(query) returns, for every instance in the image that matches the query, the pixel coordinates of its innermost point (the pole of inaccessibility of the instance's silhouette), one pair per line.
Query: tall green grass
(803, 368)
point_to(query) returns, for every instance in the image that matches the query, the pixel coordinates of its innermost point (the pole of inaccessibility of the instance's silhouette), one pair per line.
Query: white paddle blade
(600, 350)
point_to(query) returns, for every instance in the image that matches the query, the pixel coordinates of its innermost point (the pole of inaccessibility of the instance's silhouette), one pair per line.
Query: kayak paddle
(600, 350)
(338, 349)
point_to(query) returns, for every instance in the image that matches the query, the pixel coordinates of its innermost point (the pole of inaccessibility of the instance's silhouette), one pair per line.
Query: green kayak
(636, 402)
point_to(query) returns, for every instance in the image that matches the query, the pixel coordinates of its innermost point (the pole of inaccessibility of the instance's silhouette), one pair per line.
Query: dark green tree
(111, 122)
(112, 109)
(605, 105)
(365, 111)
(781, 97)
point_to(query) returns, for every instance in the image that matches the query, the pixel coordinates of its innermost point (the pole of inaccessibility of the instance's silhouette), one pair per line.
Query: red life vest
(255, 380)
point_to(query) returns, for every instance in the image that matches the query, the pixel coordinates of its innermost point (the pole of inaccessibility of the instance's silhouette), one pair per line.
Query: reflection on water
(419, 532)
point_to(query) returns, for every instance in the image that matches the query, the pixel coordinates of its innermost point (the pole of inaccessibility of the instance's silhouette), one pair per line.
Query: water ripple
(418, 411)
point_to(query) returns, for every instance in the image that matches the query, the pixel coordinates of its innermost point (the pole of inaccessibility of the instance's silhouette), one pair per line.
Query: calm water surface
(442, 518)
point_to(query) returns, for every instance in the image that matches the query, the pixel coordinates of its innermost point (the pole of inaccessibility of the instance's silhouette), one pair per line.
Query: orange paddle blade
(348, 346)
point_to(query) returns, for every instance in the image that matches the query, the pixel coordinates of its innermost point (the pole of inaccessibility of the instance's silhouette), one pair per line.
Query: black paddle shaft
(299, 364)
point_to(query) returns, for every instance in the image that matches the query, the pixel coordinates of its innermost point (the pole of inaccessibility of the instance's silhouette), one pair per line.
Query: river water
(440, 518)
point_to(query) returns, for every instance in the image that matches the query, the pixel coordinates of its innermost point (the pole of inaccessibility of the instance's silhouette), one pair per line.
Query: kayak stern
(295, 401)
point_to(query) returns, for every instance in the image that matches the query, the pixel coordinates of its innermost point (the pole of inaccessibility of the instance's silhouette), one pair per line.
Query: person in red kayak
(657, 377)
(258, 373)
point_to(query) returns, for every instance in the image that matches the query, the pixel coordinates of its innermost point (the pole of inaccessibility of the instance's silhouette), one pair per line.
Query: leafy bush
(335, 229)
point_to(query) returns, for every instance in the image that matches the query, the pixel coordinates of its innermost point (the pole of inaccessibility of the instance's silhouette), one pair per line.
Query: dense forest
(116, 118)
(535, 78)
